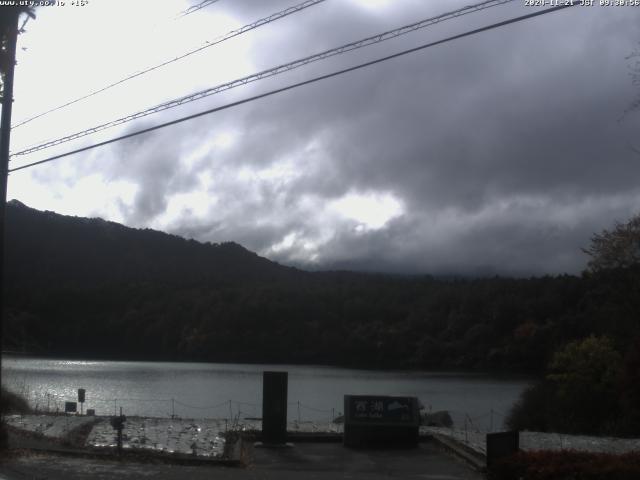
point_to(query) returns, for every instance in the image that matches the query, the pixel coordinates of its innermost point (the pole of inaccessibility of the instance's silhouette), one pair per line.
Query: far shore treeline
(92, 288)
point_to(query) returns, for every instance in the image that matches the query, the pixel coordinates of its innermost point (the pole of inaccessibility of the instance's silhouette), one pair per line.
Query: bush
(630, 391)
(533, 409)
(563, 465)
(579, 395)
(11, 402)
(585, 374)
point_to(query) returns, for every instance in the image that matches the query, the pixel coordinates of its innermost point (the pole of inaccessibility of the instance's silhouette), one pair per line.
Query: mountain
(90, 287)
(45, 248)
(78, 287)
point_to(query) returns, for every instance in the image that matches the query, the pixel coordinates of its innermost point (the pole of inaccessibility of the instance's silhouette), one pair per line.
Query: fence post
(298, 411)
(466, 437)
(491, 422)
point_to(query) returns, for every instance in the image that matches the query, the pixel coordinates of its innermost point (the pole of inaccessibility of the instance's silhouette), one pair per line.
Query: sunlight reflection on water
(206, 390)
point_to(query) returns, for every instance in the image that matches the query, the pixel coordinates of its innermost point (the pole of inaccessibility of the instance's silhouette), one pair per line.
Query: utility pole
(9, 38)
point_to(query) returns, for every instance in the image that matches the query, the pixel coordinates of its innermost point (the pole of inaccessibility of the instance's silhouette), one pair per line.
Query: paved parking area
(302, 461)
(329, 460)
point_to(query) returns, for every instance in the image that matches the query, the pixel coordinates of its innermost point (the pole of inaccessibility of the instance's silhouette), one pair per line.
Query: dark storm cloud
(504, 149)
(495, 241)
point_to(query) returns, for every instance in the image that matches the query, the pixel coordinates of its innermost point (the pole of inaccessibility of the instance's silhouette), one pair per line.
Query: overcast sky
(498, 153)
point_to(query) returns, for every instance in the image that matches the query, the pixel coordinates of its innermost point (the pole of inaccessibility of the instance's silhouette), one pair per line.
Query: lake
(214, 390)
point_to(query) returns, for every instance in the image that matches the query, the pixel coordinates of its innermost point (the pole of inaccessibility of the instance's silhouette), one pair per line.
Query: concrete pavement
(302, 461)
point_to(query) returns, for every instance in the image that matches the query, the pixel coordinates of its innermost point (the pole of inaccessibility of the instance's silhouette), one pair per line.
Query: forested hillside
(87, 287)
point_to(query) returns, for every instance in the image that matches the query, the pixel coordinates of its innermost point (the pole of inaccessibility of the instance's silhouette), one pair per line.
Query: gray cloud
(504, 149)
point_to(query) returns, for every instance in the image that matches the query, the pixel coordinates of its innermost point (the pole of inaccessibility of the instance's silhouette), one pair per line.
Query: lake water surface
(210, 390)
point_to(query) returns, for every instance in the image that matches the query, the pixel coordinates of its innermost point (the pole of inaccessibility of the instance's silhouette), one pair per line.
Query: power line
(195, 8)
(233, 33)
(300, 84)
(272, 72)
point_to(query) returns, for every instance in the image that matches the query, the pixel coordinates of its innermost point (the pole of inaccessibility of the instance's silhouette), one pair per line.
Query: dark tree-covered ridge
(87, 287)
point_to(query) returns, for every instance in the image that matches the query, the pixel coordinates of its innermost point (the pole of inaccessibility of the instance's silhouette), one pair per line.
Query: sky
(500, 153)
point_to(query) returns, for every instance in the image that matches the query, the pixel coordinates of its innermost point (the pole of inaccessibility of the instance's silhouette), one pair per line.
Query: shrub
(630, 391)
(579, 395)
(533, 409)
(585, 374)
(11, 402)
(567, 464)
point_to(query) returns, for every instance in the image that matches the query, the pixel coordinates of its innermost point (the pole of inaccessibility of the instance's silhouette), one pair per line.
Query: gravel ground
(202, 437)
(206, 436)
(52, 426)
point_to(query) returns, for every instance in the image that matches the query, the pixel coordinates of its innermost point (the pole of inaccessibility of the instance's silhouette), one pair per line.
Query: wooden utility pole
(9, 38)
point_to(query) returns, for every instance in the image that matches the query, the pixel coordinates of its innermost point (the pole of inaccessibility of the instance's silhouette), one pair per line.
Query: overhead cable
(233, 33)
(299, 84)
(195, 8)
(272, 72)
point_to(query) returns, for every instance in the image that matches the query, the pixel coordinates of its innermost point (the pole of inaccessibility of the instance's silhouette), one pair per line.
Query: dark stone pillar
(274, 407)
(501, 445)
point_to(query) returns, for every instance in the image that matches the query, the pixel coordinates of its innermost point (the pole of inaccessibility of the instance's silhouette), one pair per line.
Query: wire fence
(232, 410)
(207, 434)
(239, 411)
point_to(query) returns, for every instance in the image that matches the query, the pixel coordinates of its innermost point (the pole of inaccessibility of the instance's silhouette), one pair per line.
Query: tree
(634, 73)
(581, 393)
(585, 374)
(630, 389)
(7, 17)
(616, 248)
